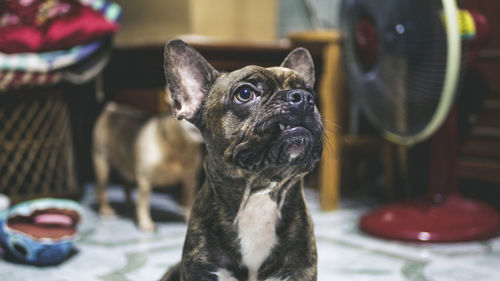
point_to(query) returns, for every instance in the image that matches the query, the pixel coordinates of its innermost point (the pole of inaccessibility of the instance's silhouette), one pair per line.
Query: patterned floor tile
(114, 250)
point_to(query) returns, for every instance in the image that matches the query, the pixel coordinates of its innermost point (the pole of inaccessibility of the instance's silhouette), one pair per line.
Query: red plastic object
(443, 216)
(454, 220)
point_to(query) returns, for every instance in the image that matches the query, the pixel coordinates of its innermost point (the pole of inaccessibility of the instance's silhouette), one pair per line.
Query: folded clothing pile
(43, 42)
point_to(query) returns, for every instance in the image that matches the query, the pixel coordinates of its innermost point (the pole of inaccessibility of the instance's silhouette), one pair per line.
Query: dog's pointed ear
(300, 61)
(189, 77)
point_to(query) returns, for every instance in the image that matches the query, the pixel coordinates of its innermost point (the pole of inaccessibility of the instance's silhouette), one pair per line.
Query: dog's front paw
(147, 225)
(224, 275)
(107, 212)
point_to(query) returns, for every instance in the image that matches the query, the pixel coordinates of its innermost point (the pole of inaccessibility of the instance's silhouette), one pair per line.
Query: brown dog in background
(148, 150)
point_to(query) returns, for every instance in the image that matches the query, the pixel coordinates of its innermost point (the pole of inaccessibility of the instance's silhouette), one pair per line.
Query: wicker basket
(36, 148)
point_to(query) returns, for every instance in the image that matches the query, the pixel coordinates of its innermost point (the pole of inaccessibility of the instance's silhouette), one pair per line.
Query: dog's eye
(244, 94)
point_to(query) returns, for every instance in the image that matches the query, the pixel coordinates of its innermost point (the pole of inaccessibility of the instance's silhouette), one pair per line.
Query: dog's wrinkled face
(253, 118)
(265, 117)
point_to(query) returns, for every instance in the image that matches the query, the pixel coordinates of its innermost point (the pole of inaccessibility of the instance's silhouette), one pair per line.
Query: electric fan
(402, 62)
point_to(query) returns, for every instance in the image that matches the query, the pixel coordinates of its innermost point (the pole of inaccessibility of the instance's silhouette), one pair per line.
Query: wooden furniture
(36, 145)
(480, 152)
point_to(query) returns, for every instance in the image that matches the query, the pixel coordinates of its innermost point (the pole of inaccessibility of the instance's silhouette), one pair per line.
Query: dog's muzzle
(290, 136)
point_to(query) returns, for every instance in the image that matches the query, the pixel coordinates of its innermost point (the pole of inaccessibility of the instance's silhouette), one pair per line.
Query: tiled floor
(114, 250)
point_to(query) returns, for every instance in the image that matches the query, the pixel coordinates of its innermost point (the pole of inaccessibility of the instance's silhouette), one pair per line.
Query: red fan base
(456, 219)
(444, 215)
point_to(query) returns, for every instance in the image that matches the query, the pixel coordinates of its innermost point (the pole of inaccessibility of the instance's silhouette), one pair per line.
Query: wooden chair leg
(330, 96)
(389, 173)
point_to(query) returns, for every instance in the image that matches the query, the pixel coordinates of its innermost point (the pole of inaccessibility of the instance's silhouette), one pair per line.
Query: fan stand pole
(443, 215)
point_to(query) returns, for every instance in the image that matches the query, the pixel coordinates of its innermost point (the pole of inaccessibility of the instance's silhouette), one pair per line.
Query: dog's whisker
(328, 143)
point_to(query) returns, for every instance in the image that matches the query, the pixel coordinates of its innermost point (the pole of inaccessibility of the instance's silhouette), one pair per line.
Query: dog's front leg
(196, 265)
(215, 275)
(143, 205)
(101, 167)
(304, 274)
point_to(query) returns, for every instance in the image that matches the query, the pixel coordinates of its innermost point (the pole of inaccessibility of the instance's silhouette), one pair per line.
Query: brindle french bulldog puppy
(263, 133)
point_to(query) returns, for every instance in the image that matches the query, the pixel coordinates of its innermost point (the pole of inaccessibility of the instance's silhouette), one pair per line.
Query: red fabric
(69, 32)
(81, 25)
(21, 39)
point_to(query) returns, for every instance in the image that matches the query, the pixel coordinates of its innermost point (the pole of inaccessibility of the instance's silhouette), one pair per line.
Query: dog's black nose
(300, 99)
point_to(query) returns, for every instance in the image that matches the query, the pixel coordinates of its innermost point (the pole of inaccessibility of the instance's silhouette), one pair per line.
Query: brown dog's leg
(143, 205)
(101, 167)
(127, 188)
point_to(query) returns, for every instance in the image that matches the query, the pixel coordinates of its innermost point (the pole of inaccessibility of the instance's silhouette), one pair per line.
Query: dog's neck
(234, 187)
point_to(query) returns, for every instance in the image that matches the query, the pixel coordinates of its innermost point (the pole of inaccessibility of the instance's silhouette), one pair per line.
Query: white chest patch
(256, 224)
